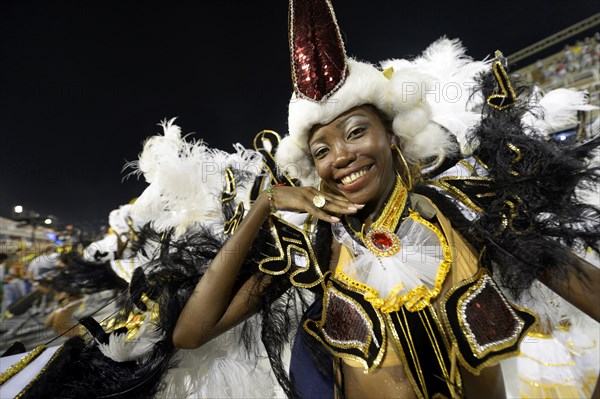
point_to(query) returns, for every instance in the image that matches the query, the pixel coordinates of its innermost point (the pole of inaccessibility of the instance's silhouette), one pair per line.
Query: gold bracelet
(270, 197)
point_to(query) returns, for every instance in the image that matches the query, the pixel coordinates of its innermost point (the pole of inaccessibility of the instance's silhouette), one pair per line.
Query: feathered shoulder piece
(519, 197)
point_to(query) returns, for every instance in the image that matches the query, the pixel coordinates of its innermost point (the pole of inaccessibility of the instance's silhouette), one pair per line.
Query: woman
(354, 157)
(403, 304)
(396, 248)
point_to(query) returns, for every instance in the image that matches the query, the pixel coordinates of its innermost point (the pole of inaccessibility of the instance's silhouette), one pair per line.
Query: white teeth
(351, 178)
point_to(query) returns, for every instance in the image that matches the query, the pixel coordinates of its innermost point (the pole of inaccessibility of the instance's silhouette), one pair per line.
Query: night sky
(83, 83)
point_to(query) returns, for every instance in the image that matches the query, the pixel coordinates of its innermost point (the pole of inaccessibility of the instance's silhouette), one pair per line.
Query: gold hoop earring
(408, 181)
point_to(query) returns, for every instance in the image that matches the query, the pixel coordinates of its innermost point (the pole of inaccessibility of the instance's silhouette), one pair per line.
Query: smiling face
(352, 155)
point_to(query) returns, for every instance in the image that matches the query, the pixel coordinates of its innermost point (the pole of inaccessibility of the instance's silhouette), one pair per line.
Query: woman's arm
(206, 313)
(211, 309)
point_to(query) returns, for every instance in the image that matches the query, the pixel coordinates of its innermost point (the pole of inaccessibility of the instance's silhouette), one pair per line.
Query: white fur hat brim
(402, 97)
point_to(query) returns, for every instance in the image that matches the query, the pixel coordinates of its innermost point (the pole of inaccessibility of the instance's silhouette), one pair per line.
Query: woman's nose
(342, 156)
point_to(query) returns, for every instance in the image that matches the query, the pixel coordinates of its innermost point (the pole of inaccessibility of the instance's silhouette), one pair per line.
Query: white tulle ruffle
(550, 367)
(412, 276)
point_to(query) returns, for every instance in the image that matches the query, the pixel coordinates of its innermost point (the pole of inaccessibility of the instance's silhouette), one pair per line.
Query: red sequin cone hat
(327, 83)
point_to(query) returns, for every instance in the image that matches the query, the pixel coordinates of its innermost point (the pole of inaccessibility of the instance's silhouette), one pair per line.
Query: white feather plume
(121, 349)
(557, 110)
(118, 219)
(186, 179)
(445, 76)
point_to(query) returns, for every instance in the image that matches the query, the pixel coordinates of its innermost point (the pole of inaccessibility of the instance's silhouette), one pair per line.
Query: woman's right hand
(300, 199)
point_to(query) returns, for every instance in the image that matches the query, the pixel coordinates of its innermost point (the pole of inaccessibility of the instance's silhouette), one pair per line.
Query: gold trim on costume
(291, 240)
(231, 225)
(331, 345)
(451, 349)
(513, 215)
(467, 165)
(388, 72)
(134, 320)
(535, 334)
(37, 376)
(483, 164)
(448, 328)
(547, 386)
(457, 193)
(518, 157)
(132, 233)
(392, 212)
(230, 186)
(418, 297)
(263, 137)
(307, 255)
(387, 221)
(363, 346)
(125, 274)
(479, 350)
(506, 90)
(571, 363)
(21, 364)
(285, 255)
(436, 346)
(402, 356)
(412, 350)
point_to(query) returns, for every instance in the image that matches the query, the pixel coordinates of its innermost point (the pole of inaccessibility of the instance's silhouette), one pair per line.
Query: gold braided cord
(403, 323)
(42, 371)
(21, 364)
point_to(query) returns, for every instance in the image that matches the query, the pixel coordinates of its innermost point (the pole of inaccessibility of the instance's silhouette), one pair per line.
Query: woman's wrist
(262, 204)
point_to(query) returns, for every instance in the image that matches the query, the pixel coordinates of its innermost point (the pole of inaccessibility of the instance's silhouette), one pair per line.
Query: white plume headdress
(186, 179)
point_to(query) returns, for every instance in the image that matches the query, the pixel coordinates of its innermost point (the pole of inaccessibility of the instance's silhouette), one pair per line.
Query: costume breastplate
(472, 321)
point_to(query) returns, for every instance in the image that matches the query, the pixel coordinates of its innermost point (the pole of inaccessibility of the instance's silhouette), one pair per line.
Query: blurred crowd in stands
(26, 273)
(577, 62)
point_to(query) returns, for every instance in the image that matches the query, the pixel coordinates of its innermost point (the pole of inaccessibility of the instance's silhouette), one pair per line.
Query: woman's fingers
(344, 209)
(325, 216)
(334, 205)
(302, 199)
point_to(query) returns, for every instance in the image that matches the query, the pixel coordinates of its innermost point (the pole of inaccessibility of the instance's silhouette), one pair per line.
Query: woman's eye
(320, 153)
(356, 132)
